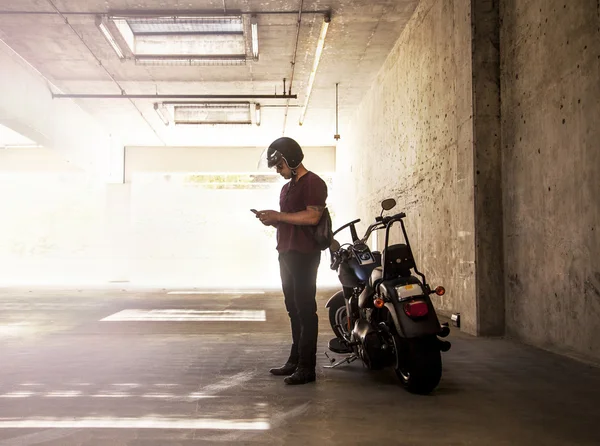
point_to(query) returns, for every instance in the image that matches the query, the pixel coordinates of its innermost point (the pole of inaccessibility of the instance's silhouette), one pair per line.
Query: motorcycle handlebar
(378, 220)
(382, 220)
(394, 217)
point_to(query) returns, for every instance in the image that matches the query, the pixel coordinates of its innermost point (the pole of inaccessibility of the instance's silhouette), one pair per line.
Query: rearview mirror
(388, 204)
(335, 245)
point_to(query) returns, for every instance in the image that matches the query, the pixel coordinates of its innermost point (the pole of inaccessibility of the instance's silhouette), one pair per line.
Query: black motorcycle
(384, 315)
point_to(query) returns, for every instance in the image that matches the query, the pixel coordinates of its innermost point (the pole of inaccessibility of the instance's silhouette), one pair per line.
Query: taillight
(416, 309)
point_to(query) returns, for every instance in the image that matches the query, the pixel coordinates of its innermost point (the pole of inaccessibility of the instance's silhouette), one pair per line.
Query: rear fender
(405, 325)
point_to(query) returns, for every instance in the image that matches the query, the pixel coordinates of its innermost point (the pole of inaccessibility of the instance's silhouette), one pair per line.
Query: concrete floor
(68, 378)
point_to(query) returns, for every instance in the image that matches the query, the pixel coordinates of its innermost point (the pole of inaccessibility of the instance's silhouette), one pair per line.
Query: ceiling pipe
(293, 62)
(173, 96)
(160, 13)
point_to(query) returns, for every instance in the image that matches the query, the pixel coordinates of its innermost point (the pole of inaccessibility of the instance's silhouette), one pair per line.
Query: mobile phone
(254, 210)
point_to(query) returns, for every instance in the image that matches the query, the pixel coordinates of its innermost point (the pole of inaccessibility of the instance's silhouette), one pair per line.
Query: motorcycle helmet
(285, 149)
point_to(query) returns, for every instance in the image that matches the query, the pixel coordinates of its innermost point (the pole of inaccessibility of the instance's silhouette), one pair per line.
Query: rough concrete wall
(551, 139)
(412, 139)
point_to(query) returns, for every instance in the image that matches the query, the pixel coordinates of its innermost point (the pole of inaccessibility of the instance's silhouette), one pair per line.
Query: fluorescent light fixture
(257, 114)
(162, 113)
(109, 37)
(254, 26)
(313, 73)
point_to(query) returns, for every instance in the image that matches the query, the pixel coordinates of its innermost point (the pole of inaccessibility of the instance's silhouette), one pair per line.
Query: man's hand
(268, 218)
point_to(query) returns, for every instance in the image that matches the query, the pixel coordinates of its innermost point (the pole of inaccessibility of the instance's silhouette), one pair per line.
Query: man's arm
(308, 217)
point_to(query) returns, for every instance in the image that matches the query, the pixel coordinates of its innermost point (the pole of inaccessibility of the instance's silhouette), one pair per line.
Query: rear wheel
(418, 363)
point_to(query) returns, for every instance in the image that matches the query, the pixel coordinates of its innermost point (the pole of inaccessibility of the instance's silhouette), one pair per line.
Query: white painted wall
(60, 226)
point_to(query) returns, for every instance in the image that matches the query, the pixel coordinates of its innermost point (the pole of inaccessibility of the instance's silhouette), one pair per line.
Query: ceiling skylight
(186, 25)
(211, 113)
(184, 40)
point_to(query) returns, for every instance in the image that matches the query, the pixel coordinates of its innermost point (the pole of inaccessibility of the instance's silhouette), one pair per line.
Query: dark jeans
(299, 283)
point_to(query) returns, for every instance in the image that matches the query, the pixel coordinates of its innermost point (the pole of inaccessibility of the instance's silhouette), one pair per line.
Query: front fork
(351, 297)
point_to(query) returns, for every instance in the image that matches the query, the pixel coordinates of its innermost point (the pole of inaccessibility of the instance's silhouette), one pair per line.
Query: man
(302, 201)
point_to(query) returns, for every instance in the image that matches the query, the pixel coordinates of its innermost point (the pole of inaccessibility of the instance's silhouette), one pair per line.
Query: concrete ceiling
(361, 35)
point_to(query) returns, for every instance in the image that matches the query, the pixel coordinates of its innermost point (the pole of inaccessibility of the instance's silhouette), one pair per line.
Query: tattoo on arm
(319, 209)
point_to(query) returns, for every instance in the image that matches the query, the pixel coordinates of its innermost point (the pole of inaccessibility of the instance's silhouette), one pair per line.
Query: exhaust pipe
(444, 345)
(444, 331)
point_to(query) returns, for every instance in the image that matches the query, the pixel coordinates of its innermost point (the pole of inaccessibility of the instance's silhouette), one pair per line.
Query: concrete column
(485, 16)
(478, 168)
(464, 280)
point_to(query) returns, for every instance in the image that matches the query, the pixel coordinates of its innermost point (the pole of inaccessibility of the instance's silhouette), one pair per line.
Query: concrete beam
(27, 107)
(214, 159)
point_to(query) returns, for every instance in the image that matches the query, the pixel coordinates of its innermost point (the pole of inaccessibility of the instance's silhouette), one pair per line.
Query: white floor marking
(217, 292)
(17, 395)
(137, 315)
(124, 390)
(111, 395)
(133, 423)
(276, 421)
(159, 395)
(66, 394)
(193, 396)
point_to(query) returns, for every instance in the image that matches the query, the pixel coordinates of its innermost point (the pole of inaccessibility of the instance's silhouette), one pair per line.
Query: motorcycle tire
(418, 364)
(338, 316)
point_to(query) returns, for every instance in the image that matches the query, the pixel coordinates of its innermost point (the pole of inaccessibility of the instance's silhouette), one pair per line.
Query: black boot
(287, 369)
(301, 376)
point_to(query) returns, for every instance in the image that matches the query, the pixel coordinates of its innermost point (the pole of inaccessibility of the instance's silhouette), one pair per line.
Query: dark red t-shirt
(309, 190)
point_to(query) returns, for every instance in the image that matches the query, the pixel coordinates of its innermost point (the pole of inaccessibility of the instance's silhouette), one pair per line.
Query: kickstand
(348, 359)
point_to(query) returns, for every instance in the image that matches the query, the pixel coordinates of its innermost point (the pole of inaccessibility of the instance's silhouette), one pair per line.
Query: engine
(372, 348)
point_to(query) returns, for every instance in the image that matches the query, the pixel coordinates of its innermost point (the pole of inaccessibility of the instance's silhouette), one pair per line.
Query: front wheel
(418, 364)
(338, 316)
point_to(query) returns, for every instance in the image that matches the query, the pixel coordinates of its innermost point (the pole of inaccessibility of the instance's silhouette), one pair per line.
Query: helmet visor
(274, 158)
(270, 159)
